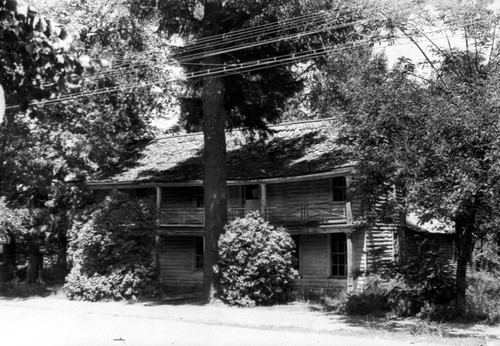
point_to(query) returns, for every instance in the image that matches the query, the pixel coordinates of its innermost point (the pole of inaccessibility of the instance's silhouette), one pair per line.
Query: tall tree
(250, 99)
(435, 139)
(49, 145)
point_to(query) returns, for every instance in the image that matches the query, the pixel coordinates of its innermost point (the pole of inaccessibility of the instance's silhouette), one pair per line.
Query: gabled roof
(294, 149)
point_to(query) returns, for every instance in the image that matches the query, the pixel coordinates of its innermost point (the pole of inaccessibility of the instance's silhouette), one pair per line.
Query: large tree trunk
(214, 122)
(9, 259)
(464, 227)
(35, 264)
(62, 255)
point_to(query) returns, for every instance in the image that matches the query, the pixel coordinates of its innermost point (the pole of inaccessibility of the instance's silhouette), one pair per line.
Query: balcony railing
(294, 215)
(182, 217)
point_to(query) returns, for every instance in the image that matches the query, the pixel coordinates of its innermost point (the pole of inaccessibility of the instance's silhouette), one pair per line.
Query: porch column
(158, 205)
(350, 263)
(348, 210)
(263, 200)
(157, 238)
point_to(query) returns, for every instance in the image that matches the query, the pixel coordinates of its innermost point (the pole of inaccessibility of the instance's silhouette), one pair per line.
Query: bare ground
(295, 320)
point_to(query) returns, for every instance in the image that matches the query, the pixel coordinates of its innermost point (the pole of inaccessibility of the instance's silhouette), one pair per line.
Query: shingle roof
(414, 222)
(292, 150)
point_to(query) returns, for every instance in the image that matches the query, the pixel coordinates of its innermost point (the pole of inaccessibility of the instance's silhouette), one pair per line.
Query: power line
(239, 68)
(185, 58)
(277, 27)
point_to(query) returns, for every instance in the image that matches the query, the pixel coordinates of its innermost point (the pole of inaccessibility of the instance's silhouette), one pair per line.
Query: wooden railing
(182, 217)
(339, 212)
(311, 213)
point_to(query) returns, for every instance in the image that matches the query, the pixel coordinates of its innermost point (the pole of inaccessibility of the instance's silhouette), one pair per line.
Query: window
(339, 189)
(198, 253)
(339, 254)
(198, 197)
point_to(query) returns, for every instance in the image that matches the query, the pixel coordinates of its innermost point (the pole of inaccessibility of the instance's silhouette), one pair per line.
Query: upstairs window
(339, 189)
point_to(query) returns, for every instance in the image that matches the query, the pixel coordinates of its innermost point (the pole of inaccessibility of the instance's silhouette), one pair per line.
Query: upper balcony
(291, 216)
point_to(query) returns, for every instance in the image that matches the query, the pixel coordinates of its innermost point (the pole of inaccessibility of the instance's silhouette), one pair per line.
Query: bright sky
(410, 50)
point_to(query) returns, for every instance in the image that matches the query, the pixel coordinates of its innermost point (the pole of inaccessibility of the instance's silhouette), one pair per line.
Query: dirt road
(43, 321)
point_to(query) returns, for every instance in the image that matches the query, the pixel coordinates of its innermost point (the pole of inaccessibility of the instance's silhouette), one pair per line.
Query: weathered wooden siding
(176, 257)
(314, 252)
(178, 197)
(185, 197)
(234, 197)
(314, 261)
(380, 241)
(297, 193)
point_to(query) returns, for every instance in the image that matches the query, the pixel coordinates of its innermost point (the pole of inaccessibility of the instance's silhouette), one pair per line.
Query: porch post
(263, 200)
(157, 238)
(158, 205)
(350, 263)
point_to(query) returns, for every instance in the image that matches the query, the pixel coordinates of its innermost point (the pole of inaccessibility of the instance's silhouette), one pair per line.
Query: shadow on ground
(23, 290)
(178, 299)
(409, 325)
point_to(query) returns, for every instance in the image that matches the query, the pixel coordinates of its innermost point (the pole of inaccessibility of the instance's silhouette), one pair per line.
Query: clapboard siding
(314, 256)
(380, 244)
(234, 198)
(298, 193)
(176, 255)
(184, 197)
(178, 197)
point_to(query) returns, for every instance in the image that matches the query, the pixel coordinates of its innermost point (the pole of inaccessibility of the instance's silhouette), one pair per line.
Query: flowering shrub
(112, 251)
(256, 262)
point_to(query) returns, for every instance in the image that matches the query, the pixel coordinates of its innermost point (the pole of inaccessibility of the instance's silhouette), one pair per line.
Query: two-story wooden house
(295, 178)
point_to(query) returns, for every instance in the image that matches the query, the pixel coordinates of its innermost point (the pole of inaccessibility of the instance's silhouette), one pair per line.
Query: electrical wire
(237, 68)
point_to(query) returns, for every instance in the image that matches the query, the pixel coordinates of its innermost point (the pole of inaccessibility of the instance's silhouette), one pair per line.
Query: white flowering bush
(256, 262)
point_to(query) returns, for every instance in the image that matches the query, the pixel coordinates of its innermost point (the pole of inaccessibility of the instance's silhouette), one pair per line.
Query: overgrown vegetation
(483, 297)
(112, 249)
(256, 262)
(422, 288)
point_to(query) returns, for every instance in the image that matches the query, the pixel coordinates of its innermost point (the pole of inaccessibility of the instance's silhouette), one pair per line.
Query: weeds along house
(295, 178)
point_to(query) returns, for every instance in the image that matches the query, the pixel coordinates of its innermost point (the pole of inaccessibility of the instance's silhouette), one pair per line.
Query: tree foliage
(49, 150)
(435, 141)
(34, 59)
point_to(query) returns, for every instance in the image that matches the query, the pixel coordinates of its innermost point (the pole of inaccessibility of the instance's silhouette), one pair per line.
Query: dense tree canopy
(48, 150)
(435, 139)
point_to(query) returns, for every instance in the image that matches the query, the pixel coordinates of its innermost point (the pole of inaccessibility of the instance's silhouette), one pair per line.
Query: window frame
(338, 190)
(339, 252)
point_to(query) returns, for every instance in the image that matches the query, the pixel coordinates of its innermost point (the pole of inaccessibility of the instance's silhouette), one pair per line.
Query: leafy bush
(112, 251)
(256, 262)
(422, 287)
(332, 299)
(372, 300)
(118, 283)
(483, 297)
